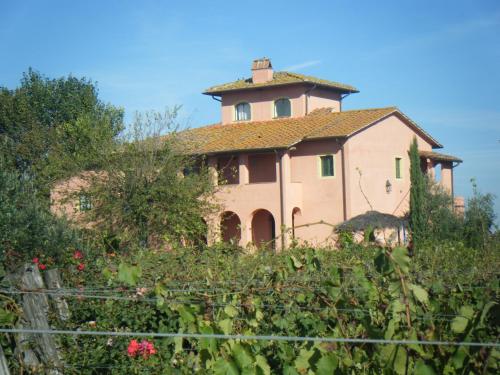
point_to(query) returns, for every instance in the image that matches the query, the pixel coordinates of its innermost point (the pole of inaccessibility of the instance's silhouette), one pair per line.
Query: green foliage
(55, 126)
(479, 218)
(27, 228)
(417, 196)
(304, 292)
(141, 195)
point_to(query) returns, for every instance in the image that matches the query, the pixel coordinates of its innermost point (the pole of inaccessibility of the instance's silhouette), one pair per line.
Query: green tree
(141, 194)
(479, 218)
(49, 122)
(27, 228)
(417, 196)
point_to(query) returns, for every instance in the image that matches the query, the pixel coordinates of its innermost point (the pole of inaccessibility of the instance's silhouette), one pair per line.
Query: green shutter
(327, 166)
(398, 167)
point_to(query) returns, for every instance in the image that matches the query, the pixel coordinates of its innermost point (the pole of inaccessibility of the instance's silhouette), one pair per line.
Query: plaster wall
(322, 198)
(372, 153)
(262, 101)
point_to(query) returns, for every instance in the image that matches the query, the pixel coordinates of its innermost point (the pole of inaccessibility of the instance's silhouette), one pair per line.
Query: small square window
(327, 169)
(398, 167)
(85, 202)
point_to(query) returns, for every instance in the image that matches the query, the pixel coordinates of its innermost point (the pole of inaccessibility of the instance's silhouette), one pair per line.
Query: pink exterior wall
(447, 176)
(262, 101)
(373, 152)
(321, 196)
(321, 98)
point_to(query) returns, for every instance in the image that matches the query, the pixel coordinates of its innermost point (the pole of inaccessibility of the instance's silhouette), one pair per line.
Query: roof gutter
(214, 98)
(342, 97)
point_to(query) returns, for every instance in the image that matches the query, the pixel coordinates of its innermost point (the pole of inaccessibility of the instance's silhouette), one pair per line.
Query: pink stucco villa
(291, 163)
(288, 156)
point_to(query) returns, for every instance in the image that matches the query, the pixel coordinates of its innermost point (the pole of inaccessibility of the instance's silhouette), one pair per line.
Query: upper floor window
(282, 108)
(242, 112)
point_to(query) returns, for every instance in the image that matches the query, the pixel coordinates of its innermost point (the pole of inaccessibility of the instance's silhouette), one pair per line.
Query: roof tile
(283, 133)
(279, 79)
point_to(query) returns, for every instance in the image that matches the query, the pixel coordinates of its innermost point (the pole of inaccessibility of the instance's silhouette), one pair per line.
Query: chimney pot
(262, 70)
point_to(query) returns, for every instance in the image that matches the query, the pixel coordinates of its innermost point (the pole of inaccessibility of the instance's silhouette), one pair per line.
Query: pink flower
(36, 260)
(133, 348)
(80, 267)
(78, 254)
(147, 348)
(41, 266)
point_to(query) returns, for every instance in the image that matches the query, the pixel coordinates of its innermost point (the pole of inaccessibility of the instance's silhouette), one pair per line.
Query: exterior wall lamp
(388, 186)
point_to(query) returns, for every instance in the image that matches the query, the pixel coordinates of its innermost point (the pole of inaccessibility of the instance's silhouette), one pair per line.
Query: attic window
(282, 108)
(242, 112)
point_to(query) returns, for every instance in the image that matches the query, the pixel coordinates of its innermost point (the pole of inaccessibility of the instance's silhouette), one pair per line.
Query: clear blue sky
(438, 61)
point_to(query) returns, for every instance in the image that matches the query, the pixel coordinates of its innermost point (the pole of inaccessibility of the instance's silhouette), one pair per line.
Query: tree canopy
(46, 123)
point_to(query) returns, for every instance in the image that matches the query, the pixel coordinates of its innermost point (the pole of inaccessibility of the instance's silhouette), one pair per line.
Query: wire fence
(343, 340)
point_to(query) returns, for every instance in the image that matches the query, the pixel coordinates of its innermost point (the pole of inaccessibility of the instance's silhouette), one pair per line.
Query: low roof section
(436, 156)
(284, 133)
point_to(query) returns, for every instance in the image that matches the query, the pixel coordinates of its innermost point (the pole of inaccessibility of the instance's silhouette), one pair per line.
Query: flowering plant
(144, 348)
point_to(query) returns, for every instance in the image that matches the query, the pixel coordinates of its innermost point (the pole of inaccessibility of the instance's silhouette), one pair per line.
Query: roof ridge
(371, 109)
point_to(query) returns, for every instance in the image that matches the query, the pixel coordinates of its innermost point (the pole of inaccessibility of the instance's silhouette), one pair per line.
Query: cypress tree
(417, 196)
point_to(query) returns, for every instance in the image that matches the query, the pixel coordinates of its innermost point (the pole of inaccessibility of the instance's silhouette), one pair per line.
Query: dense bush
(26, 225)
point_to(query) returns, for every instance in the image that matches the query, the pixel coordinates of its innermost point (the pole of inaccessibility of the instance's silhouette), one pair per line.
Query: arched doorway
(296, 213)
(263, 229)
(230, 227)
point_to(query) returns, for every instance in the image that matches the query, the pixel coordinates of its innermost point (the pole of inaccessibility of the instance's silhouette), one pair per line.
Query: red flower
(133, 348)
(80, 267)
(41, 266)
(36, 260)
(145, 348)
(78, 254)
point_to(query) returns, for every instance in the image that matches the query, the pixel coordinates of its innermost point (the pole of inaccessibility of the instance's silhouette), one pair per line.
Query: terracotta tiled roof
(279, 78)
(439, 157)
(284, 133)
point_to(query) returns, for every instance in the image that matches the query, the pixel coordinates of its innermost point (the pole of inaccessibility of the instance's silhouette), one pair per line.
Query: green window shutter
(327, 166)
(398, 167)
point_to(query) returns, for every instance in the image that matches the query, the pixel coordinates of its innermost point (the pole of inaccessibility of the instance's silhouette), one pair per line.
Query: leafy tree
(441, 221)
(48, 122)
(141, 194)
(417, 196)
(479, 218)
(27, 227)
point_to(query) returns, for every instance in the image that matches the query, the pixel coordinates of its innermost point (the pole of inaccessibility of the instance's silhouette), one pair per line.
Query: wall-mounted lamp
(388, 186)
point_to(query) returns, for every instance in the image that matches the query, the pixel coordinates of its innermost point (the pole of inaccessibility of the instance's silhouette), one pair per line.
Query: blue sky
(438, 61)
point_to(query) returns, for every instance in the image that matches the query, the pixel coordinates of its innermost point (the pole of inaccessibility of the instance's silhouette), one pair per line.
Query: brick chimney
(262, 70)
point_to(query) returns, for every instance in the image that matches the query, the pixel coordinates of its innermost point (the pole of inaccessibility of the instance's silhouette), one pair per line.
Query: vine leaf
(129, 274)
(420, 294)
(459, 323)
(422, 369)
(327, 364)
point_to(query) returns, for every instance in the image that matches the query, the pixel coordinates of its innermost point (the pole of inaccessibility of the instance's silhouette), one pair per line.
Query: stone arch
(230, 227)
(263, 229)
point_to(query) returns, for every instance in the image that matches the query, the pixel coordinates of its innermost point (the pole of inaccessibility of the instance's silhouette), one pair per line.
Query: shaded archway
(230, 227)
(296, 213)
(263, 229)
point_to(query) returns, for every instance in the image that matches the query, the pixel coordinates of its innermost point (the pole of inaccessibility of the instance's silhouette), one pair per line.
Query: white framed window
(242, 112)
(282, 107)
(398, 163)
(326, 166)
